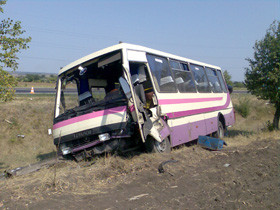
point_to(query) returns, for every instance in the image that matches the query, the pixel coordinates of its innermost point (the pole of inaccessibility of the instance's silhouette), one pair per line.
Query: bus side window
(220, 76)
(200, 77)
(161, 71)
(213, 80)
(183, 77)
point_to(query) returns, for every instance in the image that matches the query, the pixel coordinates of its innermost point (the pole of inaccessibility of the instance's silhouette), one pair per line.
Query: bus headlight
(104, 137)
(65, 150)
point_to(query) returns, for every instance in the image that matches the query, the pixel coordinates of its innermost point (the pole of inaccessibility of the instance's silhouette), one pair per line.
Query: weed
(243, 108)
(268, 126)
(12, 140)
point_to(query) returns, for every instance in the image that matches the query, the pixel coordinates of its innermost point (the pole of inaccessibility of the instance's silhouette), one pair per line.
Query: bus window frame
(192, 76)
(205, 75)
(156, 85)
(215, 70)
(224, 81)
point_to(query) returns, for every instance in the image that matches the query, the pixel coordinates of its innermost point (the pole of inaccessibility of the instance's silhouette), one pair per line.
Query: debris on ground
(137, 197)
(20, 136)
(210, 143)
(160, 167)
(226, 165)
(29, 169)
(8, 121)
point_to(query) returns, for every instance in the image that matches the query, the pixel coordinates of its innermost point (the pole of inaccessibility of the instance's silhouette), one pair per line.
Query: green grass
(243, 107)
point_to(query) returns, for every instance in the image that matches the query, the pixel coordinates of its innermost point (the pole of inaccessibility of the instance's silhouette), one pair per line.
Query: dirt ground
(238, 177)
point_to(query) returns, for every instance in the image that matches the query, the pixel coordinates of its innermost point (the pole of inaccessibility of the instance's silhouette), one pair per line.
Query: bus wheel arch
(154, 146)
(221, 118)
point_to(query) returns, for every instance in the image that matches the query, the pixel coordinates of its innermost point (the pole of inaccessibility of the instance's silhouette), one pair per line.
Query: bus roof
(129, 47)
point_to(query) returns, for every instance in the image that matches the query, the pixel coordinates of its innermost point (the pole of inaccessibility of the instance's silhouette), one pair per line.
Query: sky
(216, 32)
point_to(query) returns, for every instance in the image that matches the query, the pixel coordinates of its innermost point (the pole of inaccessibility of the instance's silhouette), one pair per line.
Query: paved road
(70, 90)
(42, 90)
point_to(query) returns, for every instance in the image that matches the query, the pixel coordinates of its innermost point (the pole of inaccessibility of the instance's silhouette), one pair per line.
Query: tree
(11, 43)
(227, 77)
(262, 78)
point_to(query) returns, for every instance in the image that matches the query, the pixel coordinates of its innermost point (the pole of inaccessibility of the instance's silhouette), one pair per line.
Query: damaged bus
(128, 96)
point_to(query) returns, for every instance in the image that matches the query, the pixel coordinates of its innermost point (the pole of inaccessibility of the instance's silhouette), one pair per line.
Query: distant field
(238, 88)
(36, 84)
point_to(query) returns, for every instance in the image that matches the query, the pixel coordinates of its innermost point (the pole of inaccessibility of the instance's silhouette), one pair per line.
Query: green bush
(244, 107)
(269, 126)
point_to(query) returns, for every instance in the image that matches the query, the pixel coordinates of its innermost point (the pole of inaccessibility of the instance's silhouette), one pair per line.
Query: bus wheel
(154, 146)
(220, 133)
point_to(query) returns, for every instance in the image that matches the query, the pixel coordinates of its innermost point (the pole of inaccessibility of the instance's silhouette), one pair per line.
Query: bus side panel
(211, 124)
(229, 118)
(202, 124)
(187, 129)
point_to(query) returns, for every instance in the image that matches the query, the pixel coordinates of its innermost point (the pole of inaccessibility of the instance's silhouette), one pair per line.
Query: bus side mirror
(230, 89)
(125, 87)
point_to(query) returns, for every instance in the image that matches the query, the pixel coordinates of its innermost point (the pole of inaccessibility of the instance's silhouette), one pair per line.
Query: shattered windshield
(69, 95)
(95, 85)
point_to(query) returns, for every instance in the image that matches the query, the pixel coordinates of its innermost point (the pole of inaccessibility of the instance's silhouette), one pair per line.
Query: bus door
(140, 100)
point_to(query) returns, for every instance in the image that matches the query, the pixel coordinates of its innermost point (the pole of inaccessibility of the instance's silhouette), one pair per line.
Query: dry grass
(32, 118)
(82, 178)
(253, 127)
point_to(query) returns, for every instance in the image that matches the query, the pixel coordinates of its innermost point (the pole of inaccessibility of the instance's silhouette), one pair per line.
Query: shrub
(268, 126)
(243, 108)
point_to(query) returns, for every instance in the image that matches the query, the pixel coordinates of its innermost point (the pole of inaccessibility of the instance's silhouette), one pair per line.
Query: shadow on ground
(46, 156)
(233, 133)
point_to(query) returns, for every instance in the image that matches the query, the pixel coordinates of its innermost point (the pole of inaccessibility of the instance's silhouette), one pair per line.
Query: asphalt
(42, 90)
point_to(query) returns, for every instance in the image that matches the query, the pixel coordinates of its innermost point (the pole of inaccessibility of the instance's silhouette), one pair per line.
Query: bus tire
(153, 146)
(220, 133)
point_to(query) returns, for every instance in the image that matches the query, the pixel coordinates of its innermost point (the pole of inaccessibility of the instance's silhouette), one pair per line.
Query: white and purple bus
(128, 95)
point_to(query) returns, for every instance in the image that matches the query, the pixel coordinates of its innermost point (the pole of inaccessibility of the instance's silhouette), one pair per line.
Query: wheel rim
(161, 146)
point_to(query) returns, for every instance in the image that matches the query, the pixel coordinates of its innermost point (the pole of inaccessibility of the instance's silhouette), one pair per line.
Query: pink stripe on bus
(198, 111)
(90, 116)
(132, 108)
(187, 100)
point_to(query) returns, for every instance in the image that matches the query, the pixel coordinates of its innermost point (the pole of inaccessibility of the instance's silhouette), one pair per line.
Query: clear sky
(217, 32)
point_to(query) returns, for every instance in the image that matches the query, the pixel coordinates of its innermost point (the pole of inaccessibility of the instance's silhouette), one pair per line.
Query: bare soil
(241, 176)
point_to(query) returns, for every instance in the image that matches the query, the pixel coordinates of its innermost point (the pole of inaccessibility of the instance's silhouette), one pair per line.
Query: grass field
(84, 181)
(31, 116)
(36, 84)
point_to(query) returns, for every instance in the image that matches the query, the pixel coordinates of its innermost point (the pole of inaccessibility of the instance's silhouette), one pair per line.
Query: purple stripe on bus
(187, 100)
(77, 149)
(198, 111)
(90, 116)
